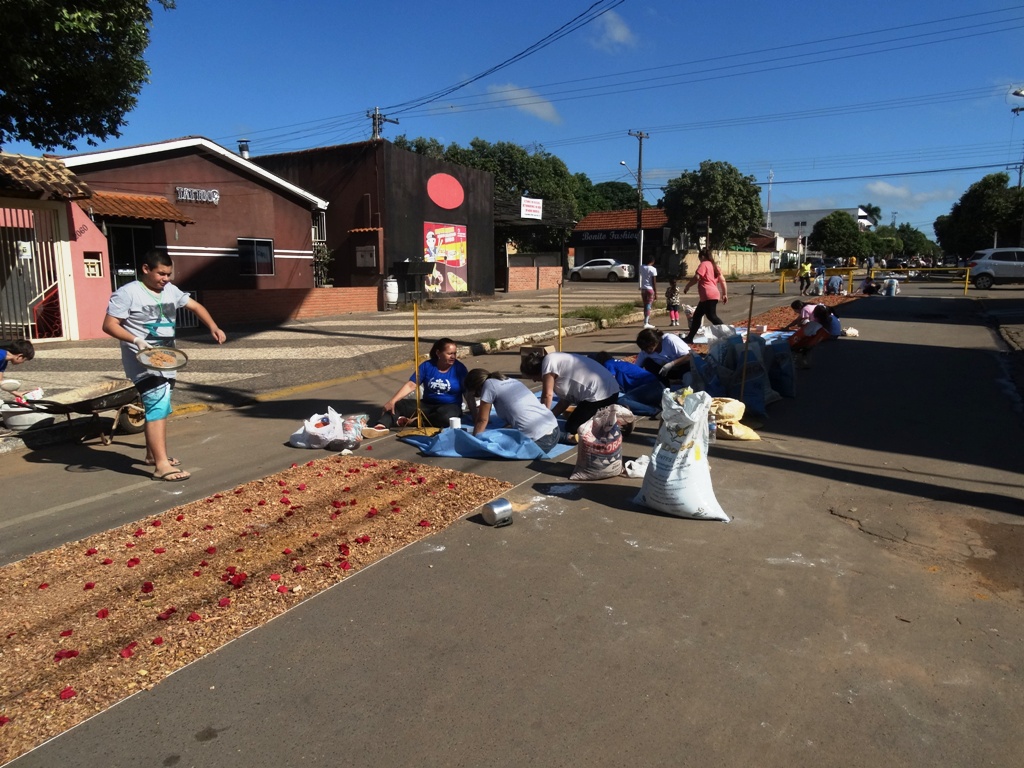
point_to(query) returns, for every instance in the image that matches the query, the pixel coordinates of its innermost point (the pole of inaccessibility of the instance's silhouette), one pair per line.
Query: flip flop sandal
(379, 431)
(169, 476)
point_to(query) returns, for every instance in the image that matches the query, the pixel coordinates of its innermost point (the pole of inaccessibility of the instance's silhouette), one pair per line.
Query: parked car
(996, 265)
(603, 269)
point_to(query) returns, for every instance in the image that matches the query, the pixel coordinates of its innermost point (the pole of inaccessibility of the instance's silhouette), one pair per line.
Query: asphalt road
(864, 607)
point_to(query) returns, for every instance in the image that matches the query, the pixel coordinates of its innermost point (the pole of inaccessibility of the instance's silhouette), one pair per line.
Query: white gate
(31, 304)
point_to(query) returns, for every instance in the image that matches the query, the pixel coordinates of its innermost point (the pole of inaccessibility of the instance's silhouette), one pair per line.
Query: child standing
(142, 315)
(672, 301)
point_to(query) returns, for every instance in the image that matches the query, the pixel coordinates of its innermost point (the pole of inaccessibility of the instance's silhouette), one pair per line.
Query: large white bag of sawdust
(678, 479)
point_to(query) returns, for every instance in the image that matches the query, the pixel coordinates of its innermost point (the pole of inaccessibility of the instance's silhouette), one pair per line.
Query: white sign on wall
(531, 208)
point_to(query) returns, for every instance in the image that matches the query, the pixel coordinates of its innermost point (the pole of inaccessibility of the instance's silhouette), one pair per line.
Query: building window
(93, 263)
(319, 227)
(255, 257)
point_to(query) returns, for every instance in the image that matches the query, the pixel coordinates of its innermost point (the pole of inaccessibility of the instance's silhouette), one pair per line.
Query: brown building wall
(205, 253)
(533, 278)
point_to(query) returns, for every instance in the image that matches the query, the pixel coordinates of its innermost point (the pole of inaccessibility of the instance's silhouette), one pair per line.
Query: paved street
(863, 607)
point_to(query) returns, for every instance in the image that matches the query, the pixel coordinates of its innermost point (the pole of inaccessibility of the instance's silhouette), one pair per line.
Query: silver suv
(997, 265)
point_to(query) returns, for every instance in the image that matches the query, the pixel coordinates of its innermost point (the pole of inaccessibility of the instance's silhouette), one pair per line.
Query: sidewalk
(862, 608)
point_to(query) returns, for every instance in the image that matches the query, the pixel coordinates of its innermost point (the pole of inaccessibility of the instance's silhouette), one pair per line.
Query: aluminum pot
(497, 513)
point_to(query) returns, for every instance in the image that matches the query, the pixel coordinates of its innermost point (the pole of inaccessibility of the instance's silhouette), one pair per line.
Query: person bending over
(577, 380)
(663, 354)
(515, 404)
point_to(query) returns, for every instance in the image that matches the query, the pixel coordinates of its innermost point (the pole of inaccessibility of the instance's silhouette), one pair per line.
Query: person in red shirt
(711, 288)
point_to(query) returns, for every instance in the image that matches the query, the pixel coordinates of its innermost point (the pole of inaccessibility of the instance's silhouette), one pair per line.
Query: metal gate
(30, 295)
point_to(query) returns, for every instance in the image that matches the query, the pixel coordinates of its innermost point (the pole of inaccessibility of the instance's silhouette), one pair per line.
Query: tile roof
(122, 205)
(39, 179)
(653, 218)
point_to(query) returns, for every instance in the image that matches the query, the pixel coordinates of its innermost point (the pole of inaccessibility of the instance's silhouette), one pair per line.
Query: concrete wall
(734, 262)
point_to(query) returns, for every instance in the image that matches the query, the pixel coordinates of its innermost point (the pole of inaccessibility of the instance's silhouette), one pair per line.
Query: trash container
(391, 293)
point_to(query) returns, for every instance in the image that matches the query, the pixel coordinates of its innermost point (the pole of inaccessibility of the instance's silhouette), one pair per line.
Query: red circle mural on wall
(445, 191)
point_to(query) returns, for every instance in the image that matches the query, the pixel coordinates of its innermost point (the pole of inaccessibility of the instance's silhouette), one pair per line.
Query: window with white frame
(255, 256)
(319, 227)
(93, 261)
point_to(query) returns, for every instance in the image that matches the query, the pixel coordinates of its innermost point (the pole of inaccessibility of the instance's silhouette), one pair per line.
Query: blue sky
(895, 94)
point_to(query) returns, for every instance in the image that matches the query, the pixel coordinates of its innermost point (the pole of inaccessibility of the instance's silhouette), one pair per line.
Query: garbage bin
(390, 293)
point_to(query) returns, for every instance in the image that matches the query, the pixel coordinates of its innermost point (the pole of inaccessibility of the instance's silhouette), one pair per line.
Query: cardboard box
(528, 348)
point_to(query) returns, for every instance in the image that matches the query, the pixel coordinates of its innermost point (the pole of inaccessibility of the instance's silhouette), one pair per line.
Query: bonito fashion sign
(190, 195)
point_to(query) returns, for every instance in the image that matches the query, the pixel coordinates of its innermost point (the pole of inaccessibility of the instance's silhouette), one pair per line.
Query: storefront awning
(121, 205)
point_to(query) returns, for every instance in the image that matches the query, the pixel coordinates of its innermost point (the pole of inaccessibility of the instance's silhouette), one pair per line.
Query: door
(30, 292)
(128, 245)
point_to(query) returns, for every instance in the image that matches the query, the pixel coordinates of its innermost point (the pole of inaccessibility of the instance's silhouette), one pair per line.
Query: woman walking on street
(710, 288)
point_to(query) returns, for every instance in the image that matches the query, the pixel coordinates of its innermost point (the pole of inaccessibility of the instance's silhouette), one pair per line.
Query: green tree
(915, 242)
(873, 211)
(987, 212)
(719, 192)
(837, 236)
(70, 70)
(617, 196)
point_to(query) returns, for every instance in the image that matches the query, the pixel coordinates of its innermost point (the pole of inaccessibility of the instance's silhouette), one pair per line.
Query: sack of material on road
(600, 446)
(678, 478)
(727, 413)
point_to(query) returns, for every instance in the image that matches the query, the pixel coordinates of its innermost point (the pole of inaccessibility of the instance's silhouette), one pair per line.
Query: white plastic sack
(318, 430)
(600, 447)
(678, 479)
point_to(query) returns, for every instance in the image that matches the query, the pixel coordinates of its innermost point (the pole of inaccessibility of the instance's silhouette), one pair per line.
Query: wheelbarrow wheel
(132, 419)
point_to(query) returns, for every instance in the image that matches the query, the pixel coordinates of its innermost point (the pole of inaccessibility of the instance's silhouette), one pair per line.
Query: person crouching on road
(577, 380)
(663, 354)
(515, 404)
(15, 353)
(142, 315)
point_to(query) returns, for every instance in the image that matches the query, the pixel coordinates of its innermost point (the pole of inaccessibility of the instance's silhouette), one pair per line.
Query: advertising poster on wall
(444, 245)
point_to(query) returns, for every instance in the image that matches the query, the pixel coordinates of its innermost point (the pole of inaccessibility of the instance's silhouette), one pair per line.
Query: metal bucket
(497, 513)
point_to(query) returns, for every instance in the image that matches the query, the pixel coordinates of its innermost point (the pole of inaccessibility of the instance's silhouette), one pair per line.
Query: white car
(996, 265)
(603, 269)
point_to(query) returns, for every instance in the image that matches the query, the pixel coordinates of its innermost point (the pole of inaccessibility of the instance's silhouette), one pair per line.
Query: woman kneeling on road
(577, 380)
(515, 404)
(663, 354)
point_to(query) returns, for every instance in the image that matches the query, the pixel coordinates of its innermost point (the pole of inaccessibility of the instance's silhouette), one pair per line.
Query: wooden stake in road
(746, 343)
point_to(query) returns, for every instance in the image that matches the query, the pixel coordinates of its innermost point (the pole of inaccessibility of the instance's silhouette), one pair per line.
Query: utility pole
(378, 121)
(640, 136)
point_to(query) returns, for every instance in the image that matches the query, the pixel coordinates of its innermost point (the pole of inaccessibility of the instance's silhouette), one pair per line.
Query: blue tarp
(491, 444)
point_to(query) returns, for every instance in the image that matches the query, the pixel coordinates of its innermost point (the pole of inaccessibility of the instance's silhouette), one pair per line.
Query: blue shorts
(156, 396)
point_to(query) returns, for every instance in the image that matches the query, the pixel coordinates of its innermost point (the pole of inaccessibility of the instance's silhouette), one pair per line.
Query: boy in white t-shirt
(648, 288)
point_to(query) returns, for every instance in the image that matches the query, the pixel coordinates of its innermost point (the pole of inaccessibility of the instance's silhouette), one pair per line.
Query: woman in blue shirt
(443, 379)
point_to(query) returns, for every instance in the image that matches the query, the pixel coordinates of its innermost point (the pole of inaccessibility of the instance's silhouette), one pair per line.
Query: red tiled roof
(122, 205)
(39, 178)
(653, 218)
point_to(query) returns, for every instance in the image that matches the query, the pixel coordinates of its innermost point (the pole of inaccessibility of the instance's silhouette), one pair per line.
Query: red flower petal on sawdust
(298, 569)
(179, 518)
(158, 640)
(203, 563)
(185, 534)
(89, 585)
(147, 587)
(301, 486)
(396, 510)
(156, 523)
(286, 551)
(343, 548)
(91, 551)
(275, 577)
(282, 589)
(68, 693)
(128, 651)
(224, 602)
(129, 545)
(194, 617)
(139, 533)
(211, 550)
(4, 719)
(102, 613)
(232, 569)
(372, 513)
(284, 500)
(424, 523)
(345, 565)
(44, 585)
(207, 527)
(64, 653)
(239, 490)
(67, 633)
(310, 463)
(106, 561)
(159, 550)
(197, 573)
(261, 503)
(133, 562)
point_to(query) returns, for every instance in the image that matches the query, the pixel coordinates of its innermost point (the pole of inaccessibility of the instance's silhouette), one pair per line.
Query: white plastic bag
(318, 430)
(678, 479)
(637, 467)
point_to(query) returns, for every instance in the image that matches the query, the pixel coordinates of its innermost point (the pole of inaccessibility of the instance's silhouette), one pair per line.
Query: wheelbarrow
(119, 396)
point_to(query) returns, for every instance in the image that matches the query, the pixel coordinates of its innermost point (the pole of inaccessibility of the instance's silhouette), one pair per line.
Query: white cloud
(527, 100)
(613, 33)
(882, 194)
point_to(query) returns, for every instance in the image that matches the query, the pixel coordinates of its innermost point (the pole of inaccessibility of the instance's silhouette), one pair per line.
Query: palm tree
(873, 211)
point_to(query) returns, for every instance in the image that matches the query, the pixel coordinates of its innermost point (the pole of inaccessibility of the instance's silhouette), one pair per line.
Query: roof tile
(122, 205)
(653, 218)
(39, 178)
